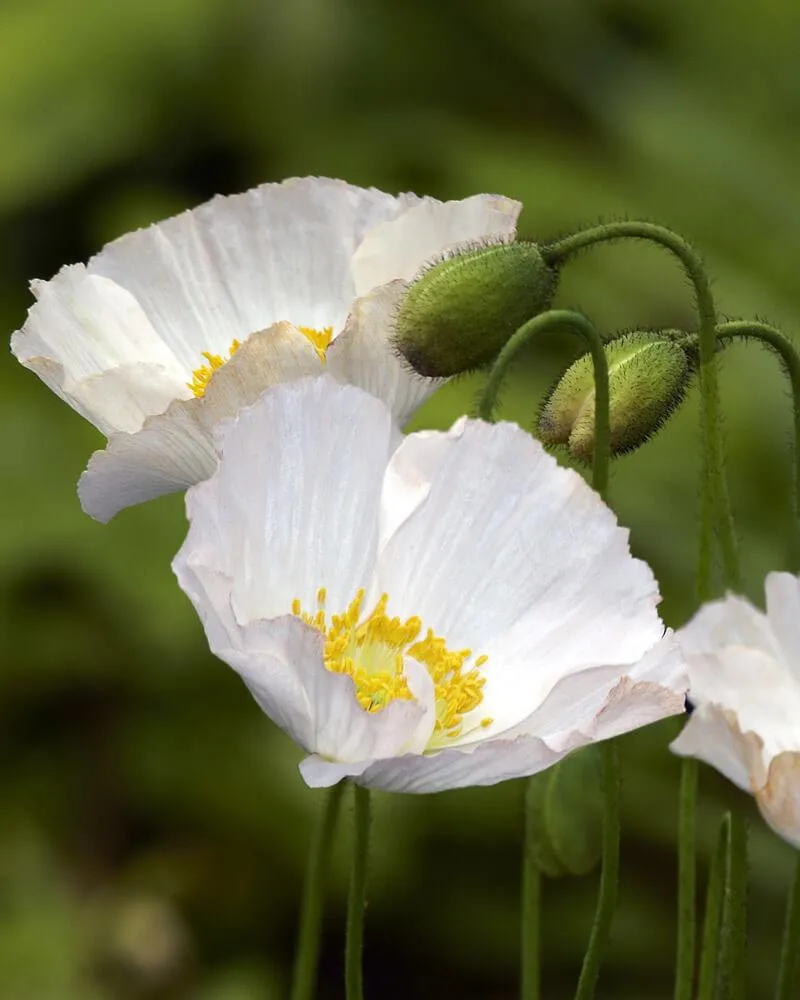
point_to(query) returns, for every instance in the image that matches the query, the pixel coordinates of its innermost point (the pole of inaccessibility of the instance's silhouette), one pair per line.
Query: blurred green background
(153, 827)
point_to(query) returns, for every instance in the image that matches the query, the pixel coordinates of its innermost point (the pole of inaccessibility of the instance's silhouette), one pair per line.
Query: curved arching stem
(553, 321)
(715, 502)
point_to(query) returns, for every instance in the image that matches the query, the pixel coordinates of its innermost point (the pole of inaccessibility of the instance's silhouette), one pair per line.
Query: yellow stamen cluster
(320, 339)
(202, 376)
(372, 652)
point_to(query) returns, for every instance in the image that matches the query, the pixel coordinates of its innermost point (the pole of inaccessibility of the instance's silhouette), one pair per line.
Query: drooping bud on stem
(459, 312)
(648, 376)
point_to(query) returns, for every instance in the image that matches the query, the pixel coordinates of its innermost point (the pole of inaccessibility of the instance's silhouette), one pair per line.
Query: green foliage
(135, 767)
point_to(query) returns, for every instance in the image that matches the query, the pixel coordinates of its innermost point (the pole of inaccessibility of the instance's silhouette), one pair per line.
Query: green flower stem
(609, 876)
(553, 321)
(788, 986)
(304, 980)
(354, 943)
(531, 906)
(687, 881)
(713, 914)
(715, 502)
(790, 359)
(730, 980)
(714, 506)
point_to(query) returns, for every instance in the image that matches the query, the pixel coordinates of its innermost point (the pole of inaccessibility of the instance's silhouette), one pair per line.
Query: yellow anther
(319, 339)
(202, 376)
(372, 650)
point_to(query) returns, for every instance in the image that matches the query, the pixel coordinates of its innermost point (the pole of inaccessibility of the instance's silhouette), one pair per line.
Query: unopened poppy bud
(648, 376)
(459, 312)
(565, 810)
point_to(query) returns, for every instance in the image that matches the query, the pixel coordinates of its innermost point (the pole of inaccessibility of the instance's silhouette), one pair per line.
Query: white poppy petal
(731, 621)
(243, 262)
(399, 247)
(481, 764)
(601, 702)
(500, 527)
(743, 671)
(83, 327)
(783, 612)
(299, 482)
(362, 354)
(175, 450)
(712, 734)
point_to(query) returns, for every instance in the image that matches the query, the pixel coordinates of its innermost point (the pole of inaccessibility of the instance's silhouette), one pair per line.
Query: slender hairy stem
(788, 986)
(715, 502)
(551, 322)
(713, 915)
(730, 980)
(354, 944)
(609, 876)
(687, 881)
(531, 906)
(790, 359)
(304, 980)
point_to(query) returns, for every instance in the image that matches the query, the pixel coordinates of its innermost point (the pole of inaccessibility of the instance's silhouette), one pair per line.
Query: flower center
(372, 651)
(319, 340)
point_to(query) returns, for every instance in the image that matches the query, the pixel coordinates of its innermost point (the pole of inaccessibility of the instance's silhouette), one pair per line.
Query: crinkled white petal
(783, 612)
(593, 705)
(744, 686)
(175, 450)
(294, 504)
(161, 296)
(757, 689)
(399, 247)
(85, 328)
(712, 734)
(514, 557)
(243, 262)
(730, 621)
(362, 354)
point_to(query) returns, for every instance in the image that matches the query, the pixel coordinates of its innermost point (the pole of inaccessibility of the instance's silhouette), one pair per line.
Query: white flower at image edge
(455, 610)
(744, 676)
(172, 328)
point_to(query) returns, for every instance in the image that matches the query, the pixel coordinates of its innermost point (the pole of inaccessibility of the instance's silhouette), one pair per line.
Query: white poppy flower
(172, 328)
(454, 611)
(744, 676)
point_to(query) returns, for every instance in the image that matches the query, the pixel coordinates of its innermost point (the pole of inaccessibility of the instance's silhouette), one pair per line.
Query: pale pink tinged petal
(755, 687)
(601, 702)
(175, 450)
(483, 764)
(80, 331)
(241, 263)
(730, 621)
(779, 799)
(362, 354)
(545, 579)
(713, 735)
(398, 248)
(299, 482)
(783, 612)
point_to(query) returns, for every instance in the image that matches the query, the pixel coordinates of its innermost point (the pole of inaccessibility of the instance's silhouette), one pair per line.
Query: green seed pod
(648, 376)
(460, 311)
(565, 809)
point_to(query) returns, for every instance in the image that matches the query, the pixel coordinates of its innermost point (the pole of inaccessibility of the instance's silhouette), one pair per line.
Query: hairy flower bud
(648, 376)
(565, 808)
(459, 312)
